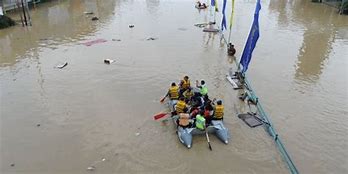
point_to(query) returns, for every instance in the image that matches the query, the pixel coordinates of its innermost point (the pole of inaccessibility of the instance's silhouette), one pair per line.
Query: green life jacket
(200, 122)
(204, 90)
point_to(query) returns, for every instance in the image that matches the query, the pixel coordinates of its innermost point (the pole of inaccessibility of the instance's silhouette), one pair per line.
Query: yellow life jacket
(185, 84)
(174, 92)
(219, 111)
(180, 106)
(188, 95)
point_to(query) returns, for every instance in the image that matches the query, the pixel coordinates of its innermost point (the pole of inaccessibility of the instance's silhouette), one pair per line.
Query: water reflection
(152, 6)
(53, 25)
(314, 51)
(318, 34)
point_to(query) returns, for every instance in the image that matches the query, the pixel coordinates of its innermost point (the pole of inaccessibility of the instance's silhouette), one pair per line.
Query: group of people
(201, 5)
(193, 105)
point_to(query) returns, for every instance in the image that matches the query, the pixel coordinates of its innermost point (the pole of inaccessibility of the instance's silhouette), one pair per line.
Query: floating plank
(211, 30)
(233, 83)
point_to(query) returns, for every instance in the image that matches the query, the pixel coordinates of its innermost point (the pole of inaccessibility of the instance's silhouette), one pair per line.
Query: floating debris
(131, 26)
(61, 66)
(151, 38)
(95, 18)
(38, 125)
(137, 134)
(212, 30)
(91, 168)
(108, 61)
(182, 29)
(88, 13)
(13, 164)
(118, 40)
(89, 43)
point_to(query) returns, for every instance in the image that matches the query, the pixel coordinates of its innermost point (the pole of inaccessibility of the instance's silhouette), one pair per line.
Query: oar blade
(158, 116)
(210, 147)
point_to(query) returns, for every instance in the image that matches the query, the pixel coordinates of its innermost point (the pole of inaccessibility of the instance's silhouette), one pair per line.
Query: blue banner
(223, 22)
(252, 39)
(212, 2)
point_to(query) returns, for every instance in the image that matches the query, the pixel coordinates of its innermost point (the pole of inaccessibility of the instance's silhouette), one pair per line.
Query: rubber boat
(185, 135)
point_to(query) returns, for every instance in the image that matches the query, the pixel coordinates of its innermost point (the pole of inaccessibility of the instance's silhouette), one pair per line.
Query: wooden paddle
(206, 134)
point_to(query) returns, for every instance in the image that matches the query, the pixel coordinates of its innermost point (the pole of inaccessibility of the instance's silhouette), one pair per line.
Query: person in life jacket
(200, 122)
(194, 112)
(184, 119)
(218, 111)
(208, 112)
(180, 106)
(173, 92)
(203, 90)
(184, 85)
(188, 94)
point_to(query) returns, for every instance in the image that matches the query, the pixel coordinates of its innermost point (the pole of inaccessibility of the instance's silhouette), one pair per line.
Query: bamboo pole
(25, 17)
(18, 11)
(27, 10)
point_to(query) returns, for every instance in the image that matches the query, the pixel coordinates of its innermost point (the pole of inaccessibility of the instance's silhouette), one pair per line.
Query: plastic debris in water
(95, 18)
(108, 61)
(12, 165)
(62, 65)
(91, 168)
(131, 26)
(88, 13)
(116, 40)
(151, 38)
(137, 134)
(38, 125)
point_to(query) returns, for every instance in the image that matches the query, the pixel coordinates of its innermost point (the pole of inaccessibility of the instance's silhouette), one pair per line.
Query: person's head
(173, 84)
(219, 102)
(185, 110)
(186, 78)
(189, 90)
(181, 98)
(202, 82)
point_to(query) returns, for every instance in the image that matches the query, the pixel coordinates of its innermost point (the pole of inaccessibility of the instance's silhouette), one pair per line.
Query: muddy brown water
(88, 110)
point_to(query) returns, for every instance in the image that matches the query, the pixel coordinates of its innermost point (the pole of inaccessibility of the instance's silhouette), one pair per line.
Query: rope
(270, 129)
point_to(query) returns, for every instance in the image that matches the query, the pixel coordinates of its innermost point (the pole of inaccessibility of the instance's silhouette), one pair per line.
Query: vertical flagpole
(231, 21)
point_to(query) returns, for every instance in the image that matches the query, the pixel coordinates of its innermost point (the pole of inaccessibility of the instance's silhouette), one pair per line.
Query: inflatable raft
(185, 135)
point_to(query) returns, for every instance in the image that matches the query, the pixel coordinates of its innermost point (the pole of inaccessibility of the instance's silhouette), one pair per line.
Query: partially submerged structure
(341, 5)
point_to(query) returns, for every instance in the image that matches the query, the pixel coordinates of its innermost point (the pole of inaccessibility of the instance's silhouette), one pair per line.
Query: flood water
(88, 110)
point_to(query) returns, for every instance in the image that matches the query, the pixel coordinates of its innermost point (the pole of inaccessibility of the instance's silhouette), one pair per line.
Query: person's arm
(197, 84)
(167, 94)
